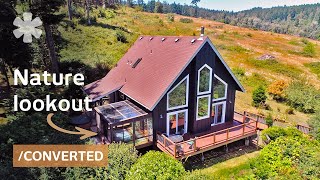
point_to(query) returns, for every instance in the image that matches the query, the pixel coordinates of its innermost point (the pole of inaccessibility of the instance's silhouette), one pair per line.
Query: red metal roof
(163, 59)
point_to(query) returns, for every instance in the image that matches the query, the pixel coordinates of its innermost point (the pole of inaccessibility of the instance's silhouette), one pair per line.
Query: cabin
(176, 94)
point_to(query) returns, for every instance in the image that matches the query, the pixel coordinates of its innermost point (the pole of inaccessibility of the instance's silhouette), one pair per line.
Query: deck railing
(304, 129)
(206, 141)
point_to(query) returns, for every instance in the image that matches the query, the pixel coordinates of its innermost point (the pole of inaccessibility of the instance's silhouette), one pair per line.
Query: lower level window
(218, 113)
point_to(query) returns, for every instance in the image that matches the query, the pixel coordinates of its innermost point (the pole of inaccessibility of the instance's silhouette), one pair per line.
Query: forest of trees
(303, 20)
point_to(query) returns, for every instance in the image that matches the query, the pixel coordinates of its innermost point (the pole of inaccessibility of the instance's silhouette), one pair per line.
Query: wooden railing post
(195, 144)
(175, 150)
(244, 126)
(227, 134)
(164, 141)
(214, 138)
(244, 117)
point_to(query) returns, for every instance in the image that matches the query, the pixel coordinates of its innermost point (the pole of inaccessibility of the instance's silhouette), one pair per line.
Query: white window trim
(187, 94)
(225, 92)
(224, 103)
(210, 80)
(209, 103)
(176, 113)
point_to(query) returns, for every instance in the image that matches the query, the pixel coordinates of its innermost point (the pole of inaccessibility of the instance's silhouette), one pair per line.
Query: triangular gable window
(219, 89)
(178, 96)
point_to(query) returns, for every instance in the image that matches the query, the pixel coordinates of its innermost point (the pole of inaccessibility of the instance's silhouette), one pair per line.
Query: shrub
(161, 23)
(121, 158)
(156, 165)
(121, 37)
(275, 132)
(289, 111)
(305, 41)
(314, 67)
(186, 20)
(309, 50)
(170, 17)
(269, 120)
(277, 90)
(314, 123)
(302, 97)
(259, 97)
(239, 72)
(288, 157)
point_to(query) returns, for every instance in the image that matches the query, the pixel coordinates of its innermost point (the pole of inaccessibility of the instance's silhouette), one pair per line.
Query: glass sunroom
(125, 122)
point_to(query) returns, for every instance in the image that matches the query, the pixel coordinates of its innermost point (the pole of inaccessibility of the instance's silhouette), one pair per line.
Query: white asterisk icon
(27, 27)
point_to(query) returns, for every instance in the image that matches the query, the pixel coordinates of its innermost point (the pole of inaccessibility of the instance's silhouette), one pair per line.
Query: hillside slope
(302, 20)
(240, 47)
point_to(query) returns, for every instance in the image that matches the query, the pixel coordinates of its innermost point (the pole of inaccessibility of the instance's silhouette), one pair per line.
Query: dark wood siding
(205, 56)
(223, 73)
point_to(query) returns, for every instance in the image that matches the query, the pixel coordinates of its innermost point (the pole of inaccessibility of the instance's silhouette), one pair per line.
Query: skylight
(135, 64)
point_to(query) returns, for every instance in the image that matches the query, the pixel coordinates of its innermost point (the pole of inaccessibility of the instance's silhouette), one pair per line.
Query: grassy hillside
(240, 47)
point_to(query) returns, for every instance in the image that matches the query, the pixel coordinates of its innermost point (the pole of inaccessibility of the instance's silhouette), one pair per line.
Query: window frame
(187, 94)
(225, 92)
(197, 110)
(224, 105)
(210, 80)
(176, 113)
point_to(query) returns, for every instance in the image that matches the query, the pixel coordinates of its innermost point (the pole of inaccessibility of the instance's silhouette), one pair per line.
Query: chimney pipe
(202, 31)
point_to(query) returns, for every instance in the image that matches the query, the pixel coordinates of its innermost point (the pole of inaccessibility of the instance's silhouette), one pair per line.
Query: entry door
(218, 113)
(177, 122)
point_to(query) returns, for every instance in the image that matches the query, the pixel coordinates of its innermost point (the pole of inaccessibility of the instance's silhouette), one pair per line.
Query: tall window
(219, 98)
(204, 80)
(204, 92)
(178, 96)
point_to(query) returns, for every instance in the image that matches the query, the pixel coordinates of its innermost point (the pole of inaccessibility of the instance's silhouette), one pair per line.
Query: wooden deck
(241, 127)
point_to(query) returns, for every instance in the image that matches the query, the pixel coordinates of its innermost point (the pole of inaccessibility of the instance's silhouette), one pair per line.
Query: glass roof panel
(120, 111)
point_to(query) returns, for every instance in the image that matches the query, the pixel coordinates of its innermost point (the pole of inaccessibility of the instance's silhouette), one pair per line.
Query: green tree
(14, 53)
(303, 97)
(47, 11)
(259, 96)
(195, 3)
(156, 165)
(26, 128)
(158, 7)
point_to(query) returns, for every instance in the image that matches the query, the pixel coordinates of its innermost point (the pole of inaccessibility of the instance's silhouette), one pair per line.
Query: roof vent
(151, 38)
(193, 41)
(163, 39)
(140, 38)
(176, 40)
(135, 64)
